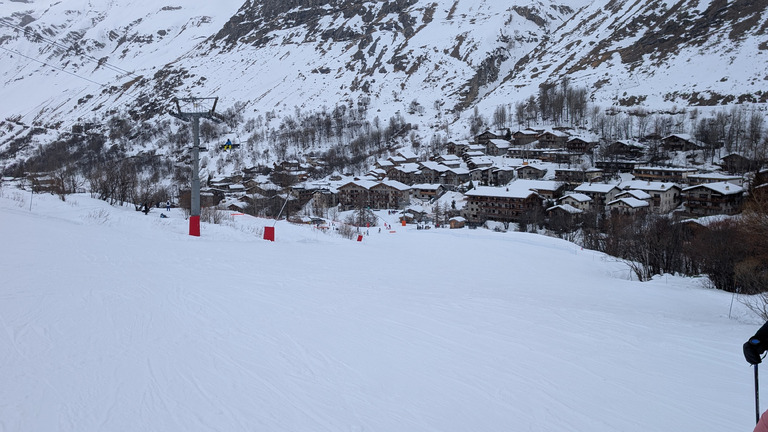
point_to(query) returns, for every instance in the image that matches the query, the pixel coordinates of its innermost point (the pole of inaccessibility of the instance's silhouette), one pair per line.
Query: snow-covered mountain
(66, 62)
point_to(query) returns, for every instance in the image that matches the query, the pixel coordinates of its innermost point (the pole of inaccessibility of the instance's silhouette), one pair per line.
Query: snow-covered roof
(500, 143)
(504, 168)
(427, 186)
(634, 193)
(580, 197)
(407, 154)
(396, 184)
(527, 132)
(482, 160)
(649, 185)
(556, 133)
(630, 202)
(595, 187)
(682, 136)
(367, 184)
(630, 143)
(511, 191)
(450, 157)
(532, 167)
(581, 138)
(723, 188)
(434, 166)
(714, 176)
(711, 219)
(459, 171)
(537, 185)
(567, 207)
(410, 167)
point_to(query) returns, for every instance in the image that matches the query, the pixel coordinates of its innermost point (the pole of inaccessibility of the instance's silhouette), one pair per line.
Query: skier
(753, 349)
(168, 205)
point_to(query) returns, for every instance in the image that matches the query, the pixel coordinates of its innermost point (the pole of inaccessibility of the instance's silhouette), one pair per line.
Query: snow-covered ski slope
(111, 320)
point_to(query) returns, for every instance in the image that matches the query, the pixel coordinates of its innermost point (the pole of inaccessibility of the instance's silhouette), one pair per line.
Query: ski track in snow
(130, 324)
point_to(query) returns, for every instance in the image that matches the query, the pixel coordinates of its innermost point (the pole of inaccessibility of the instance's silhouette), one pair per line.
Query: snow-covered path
(125, 323)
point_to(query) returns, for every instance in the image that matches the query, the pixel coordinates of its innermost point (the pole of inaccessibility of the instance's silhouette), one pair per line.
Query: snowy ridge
(446, 55)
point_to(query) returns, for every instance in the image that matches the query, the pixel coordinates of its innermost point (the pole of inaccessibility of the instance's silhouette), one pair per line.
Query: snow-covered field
(111, 320)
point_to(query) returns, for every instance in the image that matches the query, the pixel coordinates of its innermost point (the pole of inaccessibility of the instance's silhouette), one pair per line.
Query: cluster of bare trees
(736, 130)
(649, 243)
(559, 103)
(134, 180)
(732, 253)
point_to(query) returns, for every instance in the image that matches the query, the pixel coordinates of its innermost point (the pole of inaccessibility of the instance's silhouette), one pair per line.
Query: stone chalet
(547, 189)
(627, 205)
(578, 176)
(451, 161)
(486, 136)
(482, 175)
(715, 177)
(665, 196)
(663, 174)
(432, 172)
(396, 160)
(502, 175)
(579, 145)
(497, 147)
(528, 151)
(681, 142)
(636, 194)
(625, 149)
(617, 165)
(525, 137)
(407, 155)
(384, 164)
(501, 204)
(388, 194)
(565, 211)
(427, 191)
(479, 162)
(600, 193)
(531, 172)
(406, 173)
(456, 222)
(577, 200)
(377, 173)
(458, 148)
(455, 177)
(553, 139)
(713, 198)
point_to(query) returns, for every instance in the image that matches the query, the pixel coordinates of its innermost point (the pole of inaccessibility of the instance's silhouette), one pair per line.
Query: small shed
(457, 222)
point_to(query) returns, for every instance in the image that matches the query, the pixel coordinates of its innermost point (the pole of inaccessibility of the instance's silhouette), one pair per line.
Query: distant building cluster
(505, 176)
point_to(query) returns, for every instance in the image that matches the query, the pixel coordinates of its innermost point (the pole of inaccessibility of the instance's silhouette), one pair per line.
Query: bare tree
(500, 117)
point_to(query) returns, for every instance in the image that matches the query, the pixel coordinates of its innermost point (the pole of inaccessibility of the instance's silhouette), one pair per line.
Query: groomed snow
(111, 320)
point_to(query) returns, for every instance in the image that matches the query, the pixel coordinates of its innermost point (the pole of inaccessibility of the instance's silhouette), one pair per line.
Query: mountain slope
(658, 53)
(66, 63)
